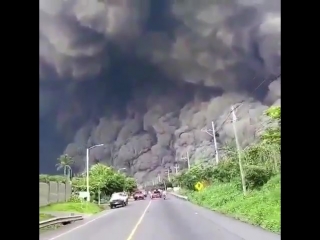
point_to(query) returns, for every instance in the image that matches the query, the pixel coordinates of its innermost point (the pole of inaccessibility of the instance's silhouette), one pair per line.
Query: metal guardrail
(57, 220)
(179, 196)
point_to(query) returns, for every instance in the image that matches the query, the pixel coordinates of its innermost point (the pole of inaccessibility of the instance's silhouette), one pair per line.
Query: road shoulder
(242, 229)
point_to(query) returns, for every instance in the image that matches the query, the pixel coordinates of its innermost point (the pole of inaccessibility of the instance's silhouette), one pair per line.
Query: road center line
(138, 223)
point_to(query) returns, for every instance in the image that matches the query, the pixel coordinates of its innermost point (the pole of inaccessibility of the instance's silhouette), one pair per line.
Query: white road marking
(139, 222)
(80, 226)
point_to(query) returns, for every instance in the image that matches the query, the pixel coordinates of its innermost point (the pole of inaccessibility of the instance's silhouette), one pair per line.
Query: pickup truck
(118, 199)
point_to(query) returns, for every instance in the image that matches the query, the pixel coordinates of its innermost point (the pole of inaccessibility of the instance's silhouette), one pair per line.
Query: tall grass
(260, 207)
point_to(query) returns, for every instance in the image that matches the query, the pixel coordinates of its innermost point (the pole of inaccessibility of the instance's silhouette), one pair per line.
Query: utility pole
(87, 163)
(215, 142)
(187, 158)
(168, 174)
(99, 197)
(176, 167)
(159, 178)
(243, 179)
(213, 134)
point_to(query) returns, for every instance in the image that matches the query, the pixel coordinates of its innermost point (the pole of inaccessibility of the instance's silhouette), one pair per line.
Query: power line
(242, 102)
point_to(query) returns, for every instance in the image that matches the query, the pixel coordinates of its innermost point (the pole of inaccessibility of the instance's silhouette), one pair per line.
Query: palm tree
(65, 162)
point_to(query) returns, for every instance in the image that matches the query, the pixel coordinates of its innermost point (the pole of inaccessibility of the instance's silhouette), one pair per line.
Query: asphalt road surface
(170, 219)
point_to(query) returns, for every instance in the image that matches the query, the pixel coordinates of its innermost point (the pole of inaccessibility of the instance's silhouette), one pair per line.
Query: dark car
(138, 196)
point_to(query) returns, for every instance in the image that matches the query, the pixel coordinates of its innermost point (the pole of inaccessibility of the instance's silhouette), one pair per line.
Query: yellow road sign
(199, 186)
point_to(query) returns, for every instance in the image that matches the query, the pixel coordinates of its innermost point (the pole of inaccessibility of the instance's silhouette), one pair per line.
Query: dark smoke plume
(143, 77)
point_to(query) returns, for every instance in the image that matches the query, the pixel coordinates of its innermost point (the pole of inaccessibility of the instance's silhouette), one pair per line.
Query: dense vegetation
(52, 178)
(256, 198)
(103, 181)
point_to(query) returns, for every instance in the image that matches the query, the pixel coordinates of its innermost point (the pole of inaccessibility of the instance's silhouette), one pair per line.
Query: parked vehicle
(125, 196)
(118, 199)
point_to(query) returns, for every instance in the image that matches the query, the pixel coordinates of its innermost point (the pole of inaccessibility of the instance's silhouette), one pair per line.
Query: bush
(263, 154)
(197, 173)
(256, 176)
(226, 171)
(75, 199)
(52, 178)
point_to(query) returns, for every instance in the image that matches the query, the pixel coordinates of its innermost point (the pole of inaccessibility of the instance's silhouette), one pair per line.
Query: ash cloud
(143, 77)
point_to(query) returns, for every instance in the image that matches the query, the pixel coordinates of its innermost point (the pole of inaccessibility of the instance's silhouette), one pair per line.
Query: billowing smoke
(144, 77)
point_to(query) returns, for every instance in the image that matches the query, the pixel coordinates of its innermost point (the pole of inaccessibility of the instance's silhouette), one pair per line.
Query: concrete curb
(180, 196)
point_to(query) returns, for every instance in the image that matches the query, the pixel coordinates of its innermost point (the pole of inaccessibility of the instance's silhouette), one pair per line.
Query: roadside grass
(84, 207)
(259, 207)
(44, 216)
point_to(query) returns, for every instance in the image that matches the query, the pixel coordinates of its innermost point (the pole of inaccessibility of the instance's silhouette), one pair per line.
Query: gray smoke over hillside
(144, 77)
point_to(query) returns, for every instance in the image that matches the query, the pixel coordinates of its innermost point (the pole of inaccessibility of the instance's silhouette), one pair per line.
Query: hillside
(251, 195)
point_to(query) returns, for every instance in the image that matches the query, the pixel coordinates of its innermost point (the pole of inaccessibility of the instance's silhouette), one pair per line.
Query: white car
(125, 196)
(118, 199)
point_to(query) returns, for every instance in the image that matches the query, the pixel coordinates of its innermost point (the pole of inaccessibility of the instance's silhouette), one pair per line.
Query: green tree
(98, 177)
(65, 162)
(115, 183)
(274, 112)
(273, 134)
(130, 185)
(103, 179)
(79, 184)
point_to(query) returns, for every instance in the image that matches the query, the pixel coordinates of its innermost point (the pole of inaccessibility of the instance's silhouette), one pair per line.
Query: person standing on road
(164, 193)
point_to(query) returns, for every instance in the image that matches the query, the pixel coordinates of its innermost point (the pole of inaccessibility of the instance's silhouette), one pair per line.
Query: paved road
(170, 219)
